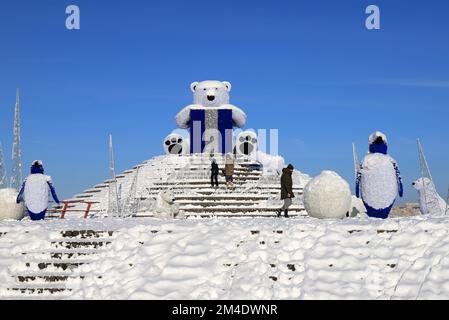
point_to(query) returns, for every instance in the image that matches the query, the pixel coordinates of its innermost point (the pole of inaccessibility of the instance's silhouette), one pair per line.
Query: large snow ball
(9, 209)
(327, 196)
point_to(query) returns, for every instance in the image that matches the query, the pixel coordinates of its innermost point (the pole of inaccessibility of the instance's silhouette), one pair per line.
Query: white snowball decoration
(9, 209)
(327, 196)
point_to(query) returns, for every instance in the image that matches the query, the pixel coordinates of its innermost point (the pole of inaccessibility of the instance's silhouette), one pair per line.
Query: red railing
(66, 207)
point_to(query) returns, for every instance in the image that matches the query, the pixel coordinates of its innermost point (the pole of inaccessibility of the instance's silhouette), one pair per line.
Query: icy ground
(247, 258)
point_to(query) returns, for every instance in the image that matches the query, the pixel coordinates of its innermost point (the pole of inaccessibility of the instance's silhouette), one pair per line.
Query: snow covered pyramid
(256, 192)
(185, 169)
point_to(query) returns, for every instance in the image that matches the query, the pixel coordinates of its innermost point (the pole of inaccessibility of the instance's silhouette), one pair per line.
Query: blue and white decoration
(378, 180)
(211, 131)
(211, 118)
(34, 192)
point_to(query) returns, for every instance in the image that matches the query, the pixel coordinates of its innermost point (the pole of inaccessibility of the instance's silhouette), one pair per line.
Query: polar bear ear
(228, 85)
(193, 86)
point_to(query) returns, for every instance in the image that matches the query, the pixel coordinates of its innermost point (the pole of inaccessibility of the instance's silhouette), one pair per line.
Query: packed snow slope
(243, 258)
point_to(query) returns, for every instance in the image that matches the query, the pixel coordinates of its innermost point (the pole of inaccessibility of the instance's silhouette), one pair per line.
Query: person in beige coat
(229, 170)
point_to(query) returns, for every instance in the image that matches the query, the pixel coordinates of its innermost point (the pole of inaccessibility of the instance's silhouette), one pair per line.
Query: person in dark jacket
(214, 173)
(286, 190)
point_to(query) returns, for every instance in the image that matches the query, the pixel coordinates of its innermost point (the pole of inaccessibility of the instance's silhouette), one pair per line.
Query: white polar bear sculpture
(327, 196)
(9, 209)
(430, 201)
(166, 208)
(210, 94)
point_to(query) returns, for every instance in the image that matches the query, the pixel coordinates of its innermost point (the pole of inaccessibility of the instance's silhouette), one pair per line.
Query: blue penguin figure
(378, 179)
(35, 191)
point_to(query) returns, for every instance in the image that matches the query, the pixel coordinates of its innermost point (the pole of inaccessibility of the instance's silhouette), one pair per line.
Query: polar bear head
(423, 184)
(211, 93)
(168, 197)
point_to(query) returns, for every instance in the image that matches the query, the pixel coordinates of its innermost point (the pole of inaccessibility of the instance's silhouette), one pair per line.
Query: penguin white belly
(36, 193)
(379, 186)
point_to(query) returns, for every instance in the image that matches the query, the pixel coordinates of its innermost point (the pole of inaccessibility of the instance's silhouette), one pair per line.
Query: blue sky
(309, 68)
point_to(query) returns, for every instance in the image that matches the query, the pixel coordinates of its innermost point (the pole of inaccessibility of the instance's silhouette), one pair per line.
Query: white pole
(356, 161)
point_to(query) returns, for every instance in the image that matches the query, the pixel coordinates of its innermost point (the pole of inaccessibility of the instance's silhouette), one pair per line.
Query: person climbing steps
(214, 173)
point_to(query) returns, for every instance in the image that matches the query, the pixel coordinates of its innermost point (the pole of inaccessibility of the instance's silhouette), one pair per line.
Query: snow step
(92, 191)
(239, 209)
(197, 182)
(83, 196)
(237, 171)
(220, 197)
(204, 204)
(56, 265)
(101, 186)
(79, 244)
(39, 290)
(70, 255)
(74, 255)
(85, 234)
(45, 278)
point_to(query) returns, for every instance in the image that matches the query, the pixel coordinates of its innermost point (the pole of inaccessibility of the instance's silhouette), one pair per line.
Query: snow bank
(265, 258)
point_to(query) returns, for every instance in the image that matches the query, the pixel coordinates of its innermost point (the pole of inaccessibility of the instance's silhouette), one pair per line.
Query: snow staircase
(189, 178)
(51, 270)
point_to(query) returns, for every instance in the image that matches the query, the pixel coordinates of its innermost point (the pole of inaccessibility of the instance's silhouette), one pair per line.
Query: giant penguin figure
(35, 191)
(378, 180)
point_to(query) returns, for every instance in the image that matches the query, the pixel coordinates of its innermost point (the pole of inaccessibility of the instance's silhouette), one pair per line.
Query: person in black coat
(214, 173)
(286, 190)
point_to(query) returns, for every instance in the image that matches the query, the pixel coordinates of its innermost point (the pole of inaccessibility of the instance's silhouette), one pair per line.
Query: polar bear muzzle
(210, 98)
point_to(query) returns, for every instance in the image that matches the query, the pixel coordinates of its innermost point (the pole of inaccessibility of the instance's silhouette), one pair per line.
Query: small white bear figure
(166, 208)
(430, 201)
(210, 94)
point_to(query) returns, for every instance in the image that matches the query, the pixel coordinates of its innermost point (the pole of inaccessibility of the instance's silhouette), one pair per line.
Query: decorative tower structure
(16, 177)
